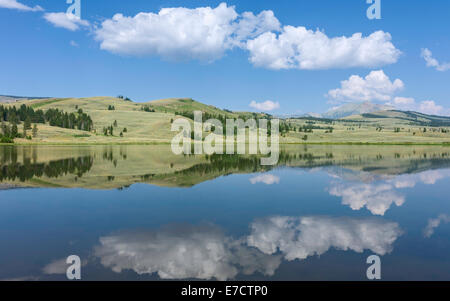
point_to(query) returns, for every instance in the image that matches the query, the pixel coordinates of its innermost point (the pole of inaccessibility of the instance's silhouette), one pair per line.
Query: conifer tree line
(54, 117)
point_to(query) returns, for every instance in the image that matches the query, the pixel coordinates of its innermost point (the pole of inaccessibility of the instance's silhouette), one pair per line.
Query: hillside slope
(153, 125)
(135, 124)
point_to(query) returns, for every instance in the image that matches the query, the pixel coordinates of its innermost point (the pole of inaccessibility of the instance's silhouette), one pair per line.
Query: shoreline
(281, 143)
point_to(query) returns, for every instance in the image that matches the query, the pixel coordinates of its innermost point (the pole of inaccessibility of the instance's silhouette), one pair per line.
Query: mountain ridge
(350, 109)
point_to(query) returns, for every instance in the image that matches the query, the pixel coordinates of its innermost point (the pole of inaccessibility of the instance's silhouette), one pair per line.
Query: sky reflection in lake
(316, 216)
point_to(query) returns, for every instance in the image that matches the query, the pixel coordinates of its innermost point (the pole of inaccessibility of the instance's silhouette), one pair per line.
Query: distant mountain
(11, 98)
(355, 109)
(314, 115)
(403, 117)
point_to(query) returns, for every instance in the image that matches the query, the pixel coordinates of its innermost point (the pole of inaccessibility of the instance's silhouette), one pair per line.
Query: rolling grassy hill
(145, 127)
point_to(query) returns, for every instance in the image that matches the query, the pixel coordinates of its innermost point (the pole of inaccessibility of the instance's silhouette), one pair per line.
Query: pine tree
(6, 130)
(14, 130)
(27, 123)
(35, 131)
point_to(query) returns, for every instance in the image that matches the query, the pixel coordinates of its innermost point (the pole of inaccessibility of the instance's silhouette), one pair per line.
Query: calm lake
(143, 213)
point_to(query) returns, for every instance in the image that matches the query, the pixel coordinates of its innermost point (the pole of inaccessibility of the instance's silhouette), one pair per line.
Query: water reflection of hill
(107, 167)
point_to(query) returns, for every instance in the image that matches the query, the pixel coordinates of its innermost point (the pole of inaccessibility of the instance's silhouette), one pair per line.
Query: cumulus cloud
(202, 33)
(377, 198)
(58, 267)
(200, 252)
(301, 237)
(404, 103)
(14, 4)
(429, 177)
(266, 179)
(205, 252)
(67, 21)
(427, 106)
(434, 223)
(377, 193)
(300, 48)
(432, 62)
(376, 86)
(265, 106)
(206, 33)
(430, 107)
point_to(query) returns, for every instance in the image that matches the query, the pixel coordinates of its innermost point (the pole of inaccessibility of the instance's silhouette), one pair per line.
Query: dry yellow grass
(148, 128)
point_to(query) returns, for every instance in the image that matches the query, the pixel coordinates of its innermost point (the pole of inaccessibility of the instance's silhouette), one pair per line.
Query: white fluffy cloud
(206, 33)
(202, 33)
(13, 4)
(427, 106)
(429, 177)
(266, 179)
(376, 86)
(204, 252)
(434, 223)
(301, 237)
(56, 267)
(404, 103)
(300, 48)
(377, 193)
(376, 198)
(432, 62)
(200, 252)
(430, 107)
(59, 266)
(265, 106)
(67, 21)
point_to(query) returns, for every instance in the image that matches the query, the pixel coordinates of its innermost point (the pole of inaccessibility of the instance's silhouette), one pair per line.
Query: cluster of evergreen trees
(109, 130)
(11, 117)
(14, 115)
(124, 98)
(80, 120)
(285, 127)
(221, 117)
(147, 109)
(54, 117)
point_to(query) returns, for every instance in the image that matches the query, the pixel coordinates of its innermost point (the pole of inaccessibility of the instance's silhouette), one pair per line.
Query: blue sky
(41, 55)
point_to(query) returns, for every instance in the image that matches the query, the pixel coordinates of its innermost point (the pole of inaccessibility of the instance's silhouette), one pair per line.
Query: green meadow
(150, 123)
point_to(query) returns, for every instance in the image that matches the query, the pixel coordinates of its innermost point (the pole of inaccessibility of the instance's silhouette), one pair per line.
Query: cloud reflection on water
(378, 193)
(205, 252)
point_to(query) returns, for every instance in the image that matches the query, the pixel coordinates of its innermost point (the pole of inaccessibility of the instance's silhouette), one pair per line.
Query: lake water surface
(142, 213)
